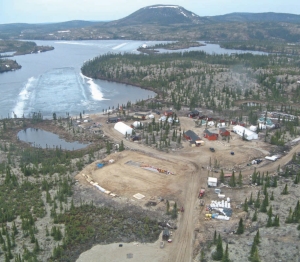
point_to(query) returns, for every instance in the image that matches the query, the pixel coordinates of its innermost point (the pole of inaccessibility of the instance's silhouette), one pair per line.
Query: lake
(52, 81)
(44, 139)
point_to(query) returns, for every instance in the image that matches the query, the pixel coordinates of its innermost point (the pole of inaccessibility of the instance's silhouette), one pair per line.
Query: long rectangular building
(245, 132)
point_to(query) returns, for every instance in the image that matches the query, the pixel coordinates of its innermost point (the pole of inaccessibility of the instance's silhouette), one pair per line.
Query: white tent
(137, 124)
(123, 128)
(243, 131)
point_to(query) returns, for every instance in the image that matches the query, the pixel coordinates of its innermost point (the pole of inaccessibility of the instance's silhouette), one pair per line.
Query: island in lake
(10, 48)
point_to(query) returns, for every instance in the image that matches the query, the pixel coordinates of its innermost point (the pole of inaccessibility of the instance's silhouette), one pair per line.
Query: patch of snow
(183, 14)
(164, 6)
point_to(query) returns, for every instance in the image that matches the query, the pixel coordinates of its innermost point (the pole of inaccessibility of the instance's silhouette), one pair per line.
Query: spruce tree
(285, 190)
(218, 254)
(215, 238)
(265, 203)
(257, 201)
(250, 202)
(245, 206)
(222, 177)
(256, 240)
(272, 196)
(296, 181)
(274, 182)
(240, 179)
(168, 206)
(254, 257)
(232, 180)
(240, 229)
(276, 221)
(269, 221)
(289, 219)
(225, 257)
(270, 211)
(202, 256)
(174, 211)
(254, 218)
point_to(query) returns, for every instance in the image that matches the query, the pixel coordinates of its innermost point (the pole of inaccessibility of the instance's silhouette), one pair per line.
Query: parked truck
(201, 193)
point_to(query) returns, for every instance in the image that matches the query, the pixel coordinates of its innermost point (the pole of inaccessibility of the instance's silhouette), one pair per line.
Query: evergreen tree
(269, 221)
(215, 238)
(107, 147)
(232, 180)
(257, 201)
(270, 211)
(245, 206)
(240, 229)
(36, 246)
(225, 257)
(174, 211)
(1, 239)
(250, 202)
(254, 177)
(289, 219)
(218, 254)
(265, 203)
(272, 196)
(285, 190)
(14, 228)
(256, 240)
(240, 179)
(276, 221)
(296, 181)
(222, 177)
(254, 256)
(274, 182)
(254, 218)
(168, 207)
(121, 147)
(202, 256)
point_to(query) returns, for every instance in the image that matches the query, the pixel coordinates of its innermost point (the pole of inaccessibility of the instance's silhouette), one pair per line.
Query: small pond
(44, 139)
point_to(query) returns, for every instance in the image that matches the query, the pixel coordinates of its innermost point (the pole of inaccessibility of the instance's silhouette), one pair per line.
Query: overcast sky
(42, 11)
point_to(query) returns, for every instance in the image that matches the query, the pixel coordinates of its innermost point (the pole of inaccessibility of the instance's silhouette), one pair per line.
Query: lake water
(45, 139)
(52, 82)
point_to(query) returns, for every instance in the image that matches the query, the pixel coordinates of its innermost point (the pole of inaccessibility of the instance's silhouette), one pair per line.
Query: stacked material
(216, 204)
(220, 209)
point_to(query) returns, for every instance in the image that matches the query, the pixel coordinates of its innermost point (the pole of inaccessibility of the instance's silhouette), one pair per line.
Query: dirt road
(181, 249)
(182, 245)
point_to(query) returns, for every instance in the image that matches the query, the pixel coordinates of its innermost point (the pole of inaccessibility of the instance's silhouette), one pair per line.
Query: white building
(212, 181)
(123, 128)
(243, 131)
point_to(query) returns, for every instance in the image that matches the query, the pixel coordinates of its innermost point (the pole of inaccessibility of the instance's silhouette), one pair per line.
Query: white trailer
(212, 181)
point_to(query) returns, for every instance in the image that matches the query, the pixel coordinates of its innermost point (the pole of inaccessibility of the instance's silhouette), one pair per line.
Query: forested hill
(256, 17)
(196, 79)
(167, 22)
